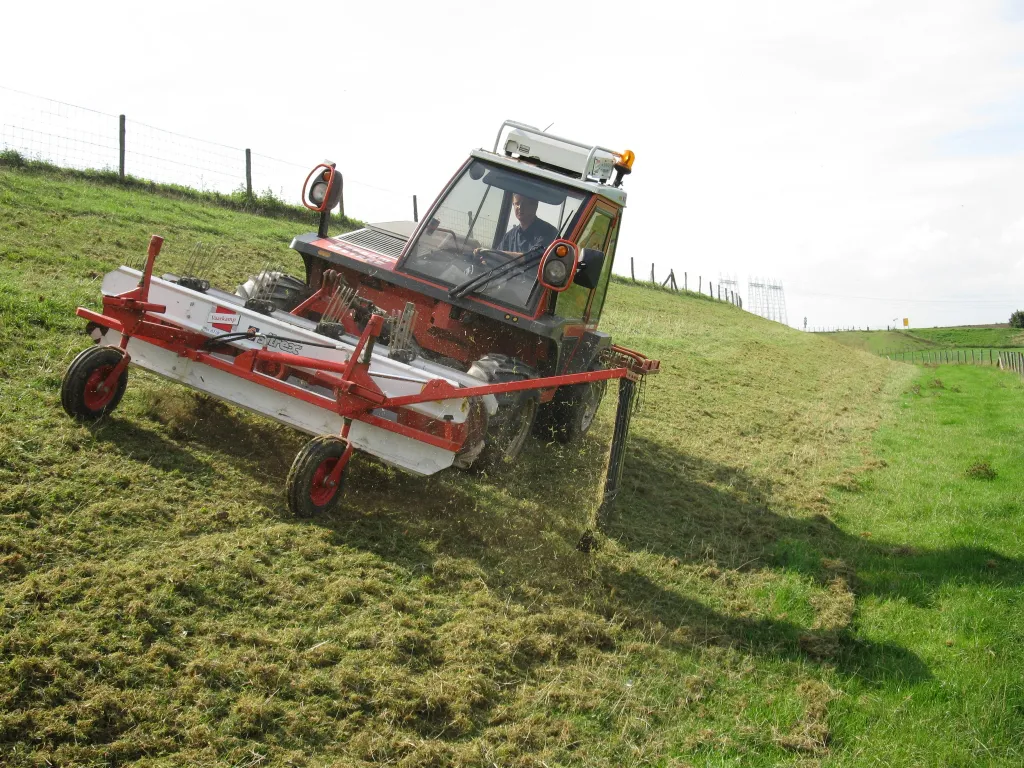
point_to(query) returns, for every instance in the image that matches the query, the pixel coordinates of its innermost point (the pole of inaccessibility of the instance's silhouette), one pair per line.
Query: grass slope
(161, 608)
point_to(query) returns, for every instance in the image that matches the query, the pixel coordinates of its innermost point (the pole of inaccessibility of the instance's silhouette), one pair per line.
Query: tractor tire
(510, 427)
(288, 293)
(80, 391)
(307, 489)
(571, 414)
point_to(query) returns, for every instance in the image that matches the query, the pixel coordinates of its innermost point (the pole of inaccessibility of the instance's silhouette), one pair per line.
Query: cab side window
(572, 302)
(606, 273)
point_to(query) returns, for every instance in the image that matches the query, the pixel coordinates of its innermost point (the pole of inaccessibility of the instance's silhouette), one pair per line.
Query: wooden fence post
(248, 173)
(632, 272)
(652, 273)
(700, 283)
(686, 283)
(120, 139)
(415, 209)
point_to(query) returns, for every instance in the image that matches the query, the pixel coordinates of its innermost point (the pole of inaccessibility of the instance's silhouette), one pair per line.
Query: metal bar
(120, 139)
(617, 454)
(248, 173)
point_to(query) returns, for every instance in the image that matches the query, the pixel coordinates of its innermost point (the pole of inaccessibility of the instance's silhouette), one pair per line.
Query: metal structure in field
(432, 344)
(730, 287)
(767, 299)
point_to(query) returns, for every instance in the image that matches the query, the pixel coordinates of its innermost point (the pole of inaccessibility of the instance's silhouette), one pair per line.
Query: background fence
(1011, 360)
(70, 136)
(719, 291)
(77, 137)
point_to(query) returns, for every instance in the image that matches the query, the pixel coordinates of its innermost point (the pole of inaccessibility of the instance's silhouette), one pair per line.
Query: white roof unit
(586, 162)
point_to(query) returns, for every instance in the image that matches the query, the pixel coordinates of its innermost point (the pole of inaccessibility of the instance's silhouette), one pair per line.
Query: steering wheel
(454, 245)
(489, 257)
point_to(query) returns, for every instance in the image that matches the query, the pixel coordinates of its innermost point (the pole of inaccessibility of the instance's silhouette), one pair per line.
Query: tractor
(435, 343)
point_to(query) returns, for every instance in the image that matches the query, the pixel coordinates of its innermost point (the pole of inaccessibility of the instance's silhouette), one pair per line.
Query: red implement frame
(356, 395)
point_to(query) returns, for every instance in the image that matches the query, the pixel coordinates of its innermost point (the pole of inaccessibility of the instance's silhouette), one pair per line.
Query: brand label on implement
(223, 318)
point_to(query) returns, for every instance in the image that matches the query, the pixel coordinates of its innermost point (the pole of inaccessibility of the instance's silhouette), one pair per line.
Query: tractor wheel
(509, 428)
(82, 393)
(309, 489)
(573, 410)
(287, 293)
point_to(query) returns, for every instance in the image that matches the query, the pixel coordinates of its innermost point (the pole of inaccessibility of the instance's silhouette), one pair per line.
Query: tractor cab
(523, 234)
(530, 228)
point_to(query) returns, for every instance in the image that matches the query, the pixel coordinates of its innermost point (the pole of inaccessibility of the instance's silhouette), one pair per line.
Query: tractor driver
(531, 232)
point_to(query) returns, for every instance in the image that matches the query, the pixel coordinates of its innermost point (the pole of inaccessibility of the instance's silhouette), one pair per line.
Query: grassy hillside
(884, 342)
(749, 607)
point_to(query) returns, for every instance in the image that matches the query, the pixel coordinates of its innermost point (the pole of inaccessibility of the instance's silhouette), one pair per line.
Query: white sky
(868, 154)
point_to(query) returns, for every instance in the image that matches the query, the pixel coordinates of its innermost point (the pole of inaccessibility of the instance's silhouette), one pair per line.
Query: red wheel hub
(94, 398)
(320, 493)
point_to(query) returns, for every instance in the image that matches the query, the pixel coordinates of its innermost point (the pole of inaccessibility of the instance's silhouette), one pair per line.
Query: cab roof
(555, 158)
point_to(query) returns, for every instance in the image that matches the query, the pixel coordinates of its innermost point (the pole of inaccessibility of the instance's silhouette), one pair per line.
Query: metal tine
(273, 278)
(332, 305)
(261, 291)
(346, 297)
(190, 263)
(206, 257)
(197, 260)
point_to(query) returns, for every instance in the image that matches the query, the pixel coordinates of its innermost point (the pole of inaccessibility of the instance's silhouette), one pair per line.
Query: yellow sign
(906, 322)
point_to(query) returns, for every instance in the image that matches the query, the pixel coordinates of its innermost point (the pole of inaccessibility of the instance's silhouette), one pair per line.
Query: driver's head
(525, 209)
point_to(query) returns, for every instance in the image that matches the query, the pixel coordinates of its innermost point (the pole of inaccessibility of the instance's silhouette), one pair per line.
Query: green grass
(888, 342)
(802, 530)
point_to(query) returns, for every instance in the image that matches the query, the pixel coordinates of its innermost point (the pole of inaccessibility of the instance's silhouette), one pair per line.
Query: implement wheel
(310, 488)
(84, 393)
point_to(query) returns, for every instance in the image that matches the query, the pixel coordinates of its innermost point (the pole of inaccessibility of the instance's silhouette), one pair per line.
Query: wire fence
(85, 139)
(720, 291)
(1005, 359)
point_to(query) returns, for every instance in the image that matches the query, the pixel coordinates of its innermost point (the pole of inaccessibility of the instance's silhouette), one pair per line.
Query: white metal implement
(215, 313)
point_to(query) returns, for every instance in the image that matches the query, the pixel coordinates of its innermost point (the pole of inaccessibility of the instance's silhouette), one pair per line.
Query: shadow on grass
(149, 446)
(703, 510)
(520, 528)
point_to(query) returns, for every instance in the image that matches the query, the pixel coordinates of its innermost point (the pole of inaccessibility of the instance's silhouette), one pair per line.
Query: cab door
(575, 303)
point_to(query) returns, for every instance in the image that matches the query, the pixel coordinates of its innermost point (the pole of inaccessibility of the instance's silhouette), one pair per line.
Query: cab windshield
(489, 216)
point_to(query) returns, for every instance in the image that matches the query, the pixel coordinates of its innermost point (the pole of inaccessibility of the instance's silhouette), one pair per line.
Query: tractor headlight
(318, 192)
(555, 272)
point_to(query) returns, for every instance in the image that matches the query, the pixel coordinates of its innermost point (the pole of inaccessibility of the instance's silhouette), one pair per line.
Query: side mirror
(322, 189)
(558, 265)
(588, 273)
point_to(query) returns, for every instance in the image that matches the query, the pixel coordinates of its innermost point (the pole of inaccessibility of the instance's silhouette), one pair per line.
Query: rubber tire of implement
(289, 292)
(509, 428)
(78, 395)
(573, 410)
(302, 487)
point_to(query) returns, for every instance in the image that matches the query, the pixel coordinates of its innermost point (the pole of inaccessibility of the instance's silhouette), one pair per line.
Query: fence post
(652, 272)
(686, 285)
(415, 210)
(632, 272)
(248, 173)
(700, 284)
(120, 139)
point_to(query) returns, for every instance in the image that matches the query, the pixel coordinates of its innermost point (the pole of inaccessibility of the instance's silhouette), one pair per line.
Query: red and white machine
(429, 344)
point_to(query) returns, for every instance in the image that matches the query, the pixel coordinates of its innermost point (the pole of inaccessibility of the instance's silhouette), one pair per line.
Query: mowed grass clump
(161, 607)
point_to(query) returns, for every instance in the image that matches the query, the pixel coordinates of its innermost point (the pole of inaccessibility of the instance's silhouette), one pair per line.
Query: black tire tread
(300, 475)
(72, 388)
